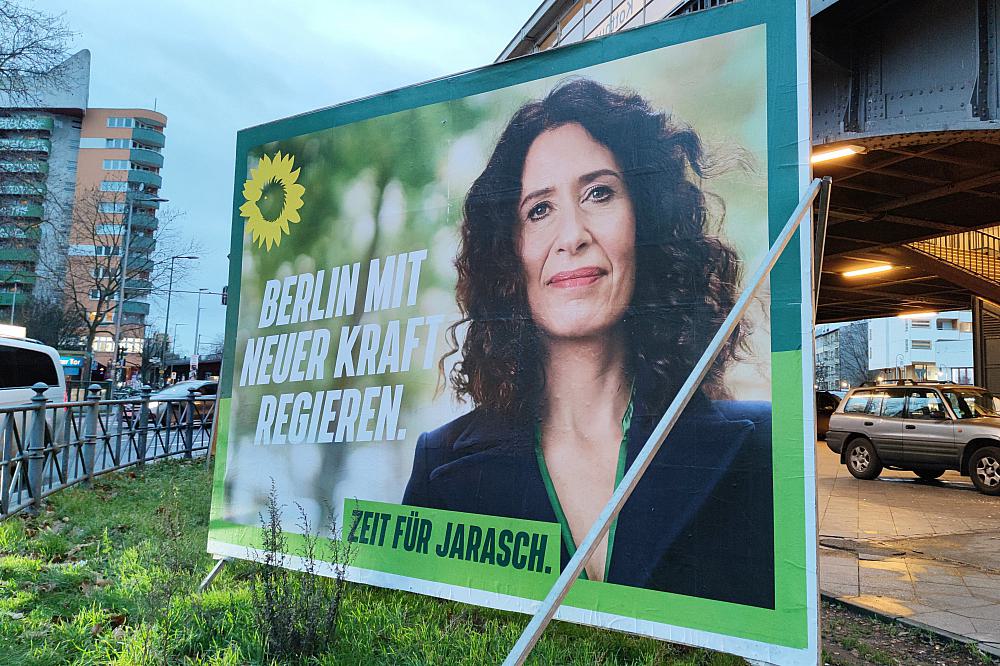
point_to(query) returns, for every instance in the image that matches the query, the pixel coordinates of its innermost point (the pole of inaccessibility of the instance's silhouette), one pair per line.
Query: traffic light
(225, 294)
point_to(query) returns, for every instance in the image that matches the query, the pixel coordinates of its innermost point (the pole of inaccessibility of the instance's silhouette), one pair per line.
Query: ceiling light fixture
(868, 271)
(837, 153)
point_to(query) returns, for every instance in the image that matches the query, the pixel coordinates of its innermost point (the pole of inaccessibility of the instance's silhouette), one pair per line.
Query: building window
(110, 229)
(947, 324)
(962, 376)
(95, 294)
(100, 272)
(116, 143)
(142, 146)
(106, 250)
(112, 207)
(114, 186)
(965, 326)
(921, 344)
(116, 165)
(116, 121)
(920, 323)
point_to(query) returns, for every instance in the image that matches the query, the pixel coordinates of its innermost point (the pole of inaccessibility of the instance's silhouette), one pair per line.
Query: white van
(24, 362)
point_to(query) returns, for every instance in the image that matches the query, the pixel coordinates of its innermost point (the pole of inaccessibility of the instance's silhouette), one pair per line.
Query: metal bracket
(216, 570)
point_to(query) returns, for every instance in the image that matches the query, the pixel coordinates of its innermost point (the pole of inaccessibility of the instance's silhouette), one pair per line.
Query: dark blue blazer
(700, 522)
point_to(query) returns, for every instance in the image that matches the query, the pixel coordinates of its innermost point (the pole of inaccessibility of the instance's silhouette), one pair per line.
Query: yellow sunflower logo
(273, 198)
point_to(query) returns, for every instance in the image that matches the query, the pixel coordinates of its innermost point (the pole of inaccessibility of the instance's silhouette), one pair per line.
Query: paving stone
(990, 593)
(948, 602)
(942, 588)
(991, 612)
(946, 620)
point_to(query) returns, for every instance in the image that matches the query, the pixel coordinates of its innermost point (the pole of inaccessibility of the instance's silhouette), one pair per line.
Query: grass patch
(109, 575)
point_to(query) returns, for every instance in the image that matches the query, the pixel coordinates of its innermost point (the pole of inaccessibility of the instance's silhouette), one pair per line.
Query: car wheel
(862, 461)
(929, 474)
(984, 469)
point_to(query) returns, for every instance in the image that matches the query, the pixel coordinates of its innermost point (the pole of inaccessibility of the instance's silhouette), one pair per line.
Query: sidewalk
(926, 553)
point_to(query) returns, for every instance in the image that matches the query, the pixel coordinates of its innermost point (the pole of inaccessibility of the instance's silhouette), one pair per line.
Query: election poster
(458, 310)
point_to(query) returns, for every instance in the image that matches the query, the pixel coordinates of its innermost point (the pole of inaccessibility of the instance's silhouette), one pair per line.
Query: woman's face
(576, 234)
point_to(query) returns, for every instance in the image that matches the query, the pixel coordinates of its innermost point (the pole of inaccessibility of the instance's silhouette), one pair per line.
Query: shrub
(297, 613)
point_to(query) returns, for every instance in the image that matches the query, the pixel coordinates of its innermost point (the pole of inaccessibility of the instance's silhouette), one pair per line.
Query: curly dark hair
(686, 278)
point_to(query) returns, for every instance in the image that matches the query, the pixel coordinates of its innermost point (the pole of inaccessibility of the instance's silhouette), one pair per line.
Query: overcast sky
(216, 67)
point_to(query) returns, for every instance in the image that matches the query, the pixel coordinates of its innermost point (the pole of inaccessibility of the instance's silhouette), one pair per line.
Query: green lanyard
(550, 489)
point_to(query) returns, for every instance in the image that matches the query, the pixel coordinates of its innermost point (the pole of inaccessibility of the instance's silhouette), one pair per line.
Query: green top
(550, 489)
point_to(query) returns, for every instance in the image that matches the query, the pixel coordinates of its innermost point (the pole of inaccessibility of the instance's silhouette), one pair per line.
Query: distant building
(38, 159)
(54, 155)
(932, 347)
(119, 164)
(841, 355)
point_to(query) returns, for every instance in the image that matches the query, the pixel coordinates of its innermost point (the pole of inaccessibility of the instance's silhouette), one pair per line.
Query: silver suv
(923, 427)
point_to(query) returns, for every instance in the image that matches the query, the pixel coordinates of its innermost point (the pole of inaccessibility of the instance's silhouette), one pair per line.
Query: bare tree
(90, 263)
(33, 45)
(854, 353)
(47, 319)
(213, 346)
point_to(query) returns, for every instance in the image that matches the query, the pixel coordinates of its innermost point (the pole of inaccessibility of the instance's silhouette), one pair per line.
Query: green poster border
(788, 624)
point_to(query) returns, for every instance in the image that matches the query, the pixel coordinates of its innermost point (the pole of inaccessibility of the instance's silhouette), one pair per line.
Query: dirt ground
(850, 639)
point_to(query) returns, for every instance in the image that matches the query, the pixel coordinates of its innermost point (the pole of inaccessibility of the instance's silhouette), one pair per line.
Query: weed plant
(297, 613)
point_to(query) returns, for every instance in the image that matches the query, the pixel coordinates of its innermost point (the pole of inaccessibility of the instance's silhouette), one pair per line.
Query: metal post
(216, 570)
(36, 447)
(197, 322)
(819, 247)
(90, 430)
(189, 424)
(6, 465)
(165, 347)
(122, 276)
(144, 394)
(13, 302)
(586, 549)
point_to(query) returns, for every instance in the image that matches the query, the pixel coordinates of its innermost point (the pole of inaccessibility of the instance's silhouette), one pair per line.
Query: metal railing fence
(48, 446)
(976, 252)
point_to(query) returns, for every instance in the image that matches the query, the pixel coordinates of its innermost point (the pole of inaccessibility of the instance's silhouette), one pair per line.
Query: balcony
(144, 222)
(138, 284)
(22, 297)
(21, 210)
(135, 307)
(141, 244)
(26, 145)
(24, 167)
(148, 136)
(23, 189)
(43, 123)
(18, 254)
(147, 157)
(140, 262)
(8, 277)
(144, 177)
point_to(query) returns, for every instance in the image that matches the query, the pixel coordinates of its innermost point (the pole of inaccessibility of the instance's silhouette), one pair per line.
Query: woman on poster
(589, 286)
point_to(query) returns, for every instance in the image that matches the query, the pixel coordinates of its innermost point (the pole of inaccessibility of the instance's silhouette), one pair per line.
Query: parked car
(23, 363)
(924, 427)
(170, 401)
(826, 404)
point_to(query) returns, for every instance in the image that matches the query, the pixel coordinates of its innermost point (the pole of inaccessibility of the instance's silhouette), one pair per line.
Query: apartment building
(78, 184)
(931, 346)
(118, 183)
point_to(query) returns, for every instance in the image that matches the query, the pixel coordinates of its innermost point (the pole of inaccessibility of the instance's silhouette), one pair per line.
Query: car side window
(875, 403)
(857, 403)
(893, 404)
(924, 404)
